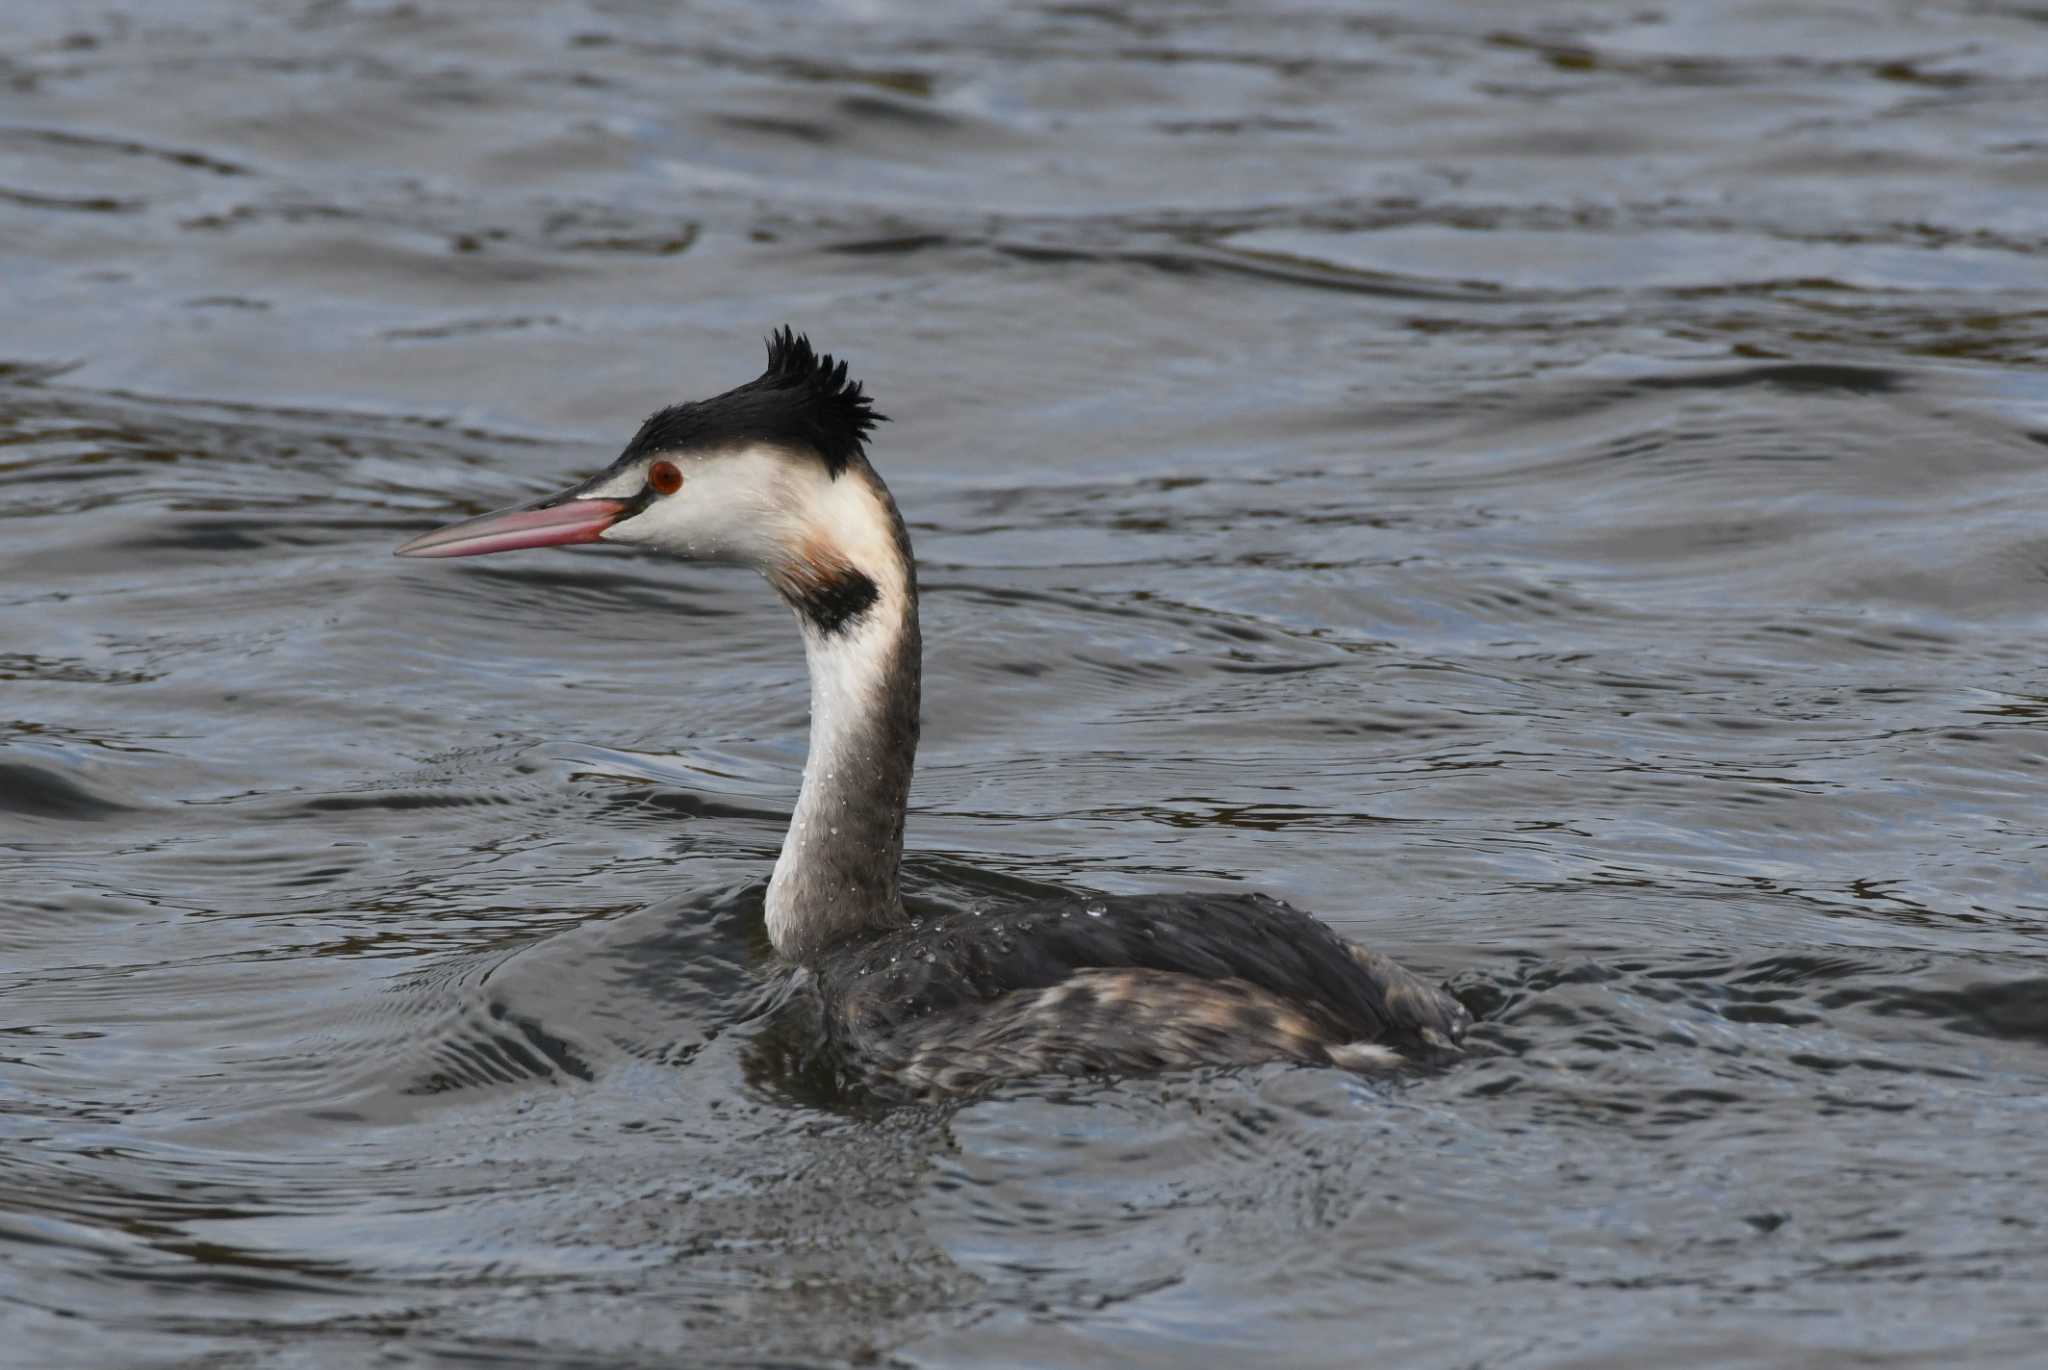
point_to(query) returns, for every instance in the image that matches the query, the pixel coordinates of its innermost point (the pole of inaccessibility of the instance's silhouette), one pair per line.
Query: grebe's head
(772, 475)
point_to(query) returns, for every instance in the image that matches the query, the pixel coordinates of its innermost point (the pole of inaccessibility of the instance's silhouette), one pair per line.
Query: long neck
(857, 606)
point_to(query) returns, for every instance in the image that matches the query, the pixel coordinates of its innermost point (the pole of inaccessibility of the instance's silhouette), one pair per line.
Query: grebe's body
(774, 475)
(1120, 985)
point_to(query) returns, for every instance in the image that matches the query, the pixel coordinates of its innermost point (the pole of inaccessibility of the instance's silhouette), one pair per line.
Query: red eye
(665, 477)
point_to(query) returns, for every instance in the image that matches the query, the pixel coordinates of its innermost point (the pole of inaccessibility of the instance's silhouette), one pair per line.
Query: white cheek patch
(741, 504)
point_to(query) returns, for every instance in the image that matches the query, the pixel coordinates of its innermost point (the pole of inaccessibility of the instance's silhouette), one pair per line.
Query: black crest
(803, 399)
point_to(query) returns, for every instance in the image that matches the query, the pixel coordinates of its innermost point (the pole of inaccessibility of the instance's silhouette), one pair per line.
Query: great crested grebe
(774, 475)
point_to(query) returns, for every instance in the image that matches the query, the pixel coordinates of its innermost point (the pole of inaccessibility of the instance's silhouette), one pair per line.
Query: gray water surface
(1557, 489)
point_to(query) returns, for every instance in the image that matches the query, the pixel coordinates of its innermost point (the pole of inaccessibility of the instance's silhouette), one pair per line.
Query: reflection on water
(1557, 492)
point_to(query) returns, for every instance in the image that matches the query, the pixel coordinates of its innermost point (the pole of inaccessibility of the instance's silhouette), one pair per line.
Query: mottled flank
(802, 401)
(1122, 986)
(1103, 1021)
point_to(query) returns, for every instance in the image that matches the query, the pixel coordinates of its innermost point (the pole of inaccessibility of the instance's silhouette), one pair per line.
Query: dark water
(1558, 489)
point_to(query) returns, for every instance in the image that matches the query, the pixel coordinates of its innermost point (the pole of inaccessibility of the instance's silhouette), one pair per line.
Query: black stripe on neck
(834, 604)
